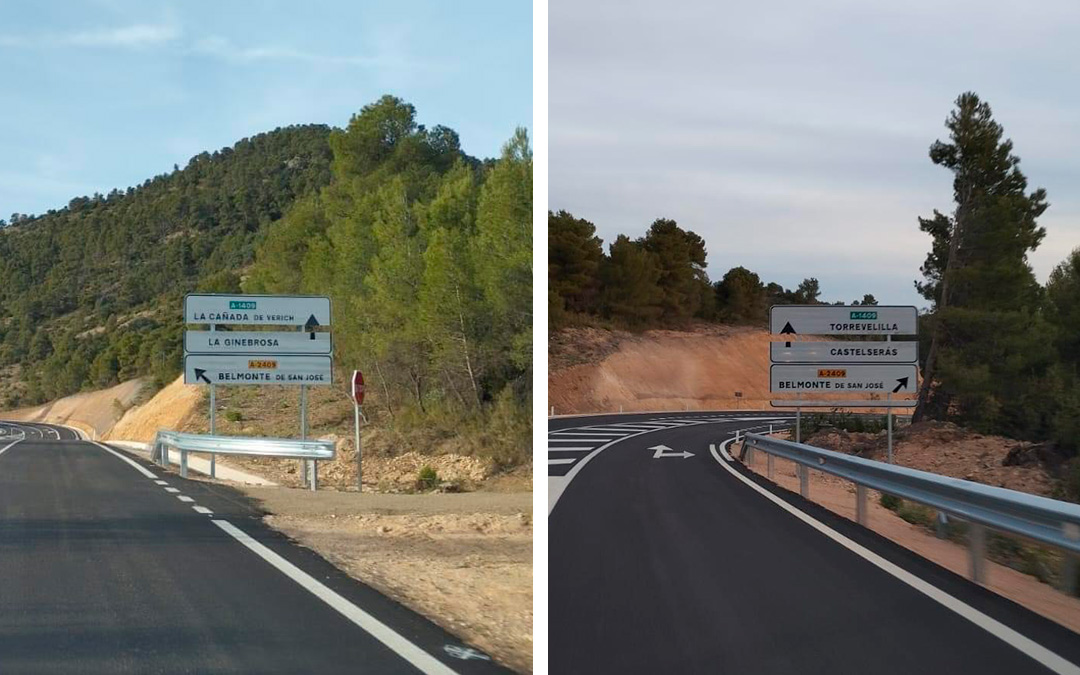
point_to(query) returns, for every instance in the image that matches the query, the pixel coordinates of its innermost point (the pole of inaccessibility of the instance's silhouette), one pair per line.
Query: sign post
(285, 347)
(358, 400)
(844, 366)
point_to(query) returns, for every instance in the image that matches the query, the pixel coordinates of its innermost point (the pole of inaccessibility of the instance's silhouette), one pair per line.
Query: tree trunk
(386, 389)
(465, 347)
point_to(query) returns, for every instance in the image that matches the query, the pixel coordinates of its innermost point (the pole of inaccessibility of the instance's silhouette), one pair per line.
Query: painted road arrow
(664, 451)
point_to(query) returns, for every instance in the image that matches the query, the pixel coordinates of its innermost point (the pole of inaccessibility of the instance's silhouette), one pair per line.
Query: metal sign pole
(888, 410)
(213, 421)
(798, 419)
(359, 471)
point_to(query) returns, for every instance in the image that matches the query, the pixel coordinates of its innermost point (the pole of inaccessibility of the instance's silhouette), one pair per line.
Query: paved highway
(667, 558)
(109, 565)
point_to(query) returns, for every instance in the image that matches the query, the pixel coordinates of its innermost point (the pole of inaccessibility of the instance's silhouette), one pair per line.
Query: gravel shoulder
(463, 560)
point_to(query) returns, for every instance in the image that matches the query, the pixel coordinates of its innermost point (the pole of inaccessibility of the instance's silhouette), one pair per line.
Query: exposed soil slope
(94, 412)
(595, 370)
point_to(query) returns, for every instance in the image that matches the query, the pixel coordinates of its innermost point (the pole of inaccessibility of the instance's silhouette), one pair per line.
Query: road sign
(844, 352)
(358, 387)
(829, 378)
(255, 342)
(843, 320)
(226, 370)
(257, 310)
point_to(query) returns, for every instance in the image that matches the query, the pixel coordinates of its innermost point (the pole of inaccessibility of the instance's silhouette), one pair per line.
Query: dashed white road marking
(172, 490)
(561, 461)
(160, 482)
(184, 498)
(138, 467)
(999, 630)
(421, 660)
(573, 449)
(202, 509)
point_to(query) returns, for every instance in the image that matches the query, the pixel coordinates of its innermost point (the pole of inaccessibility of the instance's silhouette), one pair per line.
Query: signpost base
(359, 468)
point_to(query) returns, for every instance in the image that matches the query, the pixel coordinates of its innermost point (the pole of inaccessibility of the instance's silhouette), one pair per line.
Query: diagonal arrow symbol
(901, 384)
(664, 451)
(200, 374)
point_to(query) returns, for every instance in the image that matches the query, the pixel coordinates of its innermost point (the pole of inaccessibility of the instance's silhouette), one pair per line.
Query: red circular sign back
(358, 387)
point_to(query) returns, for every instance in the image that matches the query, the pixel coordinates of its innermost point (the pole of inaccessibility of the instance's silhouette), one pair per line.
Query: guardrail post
(804, 481)
(1069, 567)
(939, 525)
(977, 550)
(183, 463)
(861, 514)
(769, 464)
(314, 475)
(165, 455)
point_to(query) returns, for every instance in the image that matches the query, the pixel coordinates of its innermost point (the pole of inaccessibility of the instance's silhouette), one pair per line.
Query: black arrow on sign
(788, 330)
(902, 383)
(200, 374)
(311, 325)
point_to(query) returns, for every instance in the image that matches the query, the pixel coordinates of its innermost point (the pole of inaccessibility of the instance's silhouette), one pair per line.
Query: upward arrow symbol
(311, 324)
(788, 330)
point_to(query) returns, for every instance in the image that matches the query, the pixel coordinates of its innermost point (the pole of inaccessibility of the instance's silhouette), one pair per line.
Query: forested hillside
(91, 292)
(425, 251)
(427, 255)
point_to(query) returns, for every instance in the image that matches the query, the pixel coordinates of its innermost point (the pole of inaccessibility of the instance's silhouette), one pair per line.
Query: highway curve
(673, 564)
(109, 565)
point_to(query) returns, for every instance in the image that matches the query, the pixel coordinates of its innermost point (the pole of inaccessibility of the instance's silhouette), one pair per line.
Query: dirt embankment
(596, 370)
(93, 412)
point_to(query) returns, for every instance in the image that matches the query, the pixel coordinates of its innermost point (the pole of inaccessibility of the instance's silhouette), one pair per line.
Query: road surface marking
(577, 449)
(999, 630)
(577, 439)
(172, 490)
(184, 498)
(202, 509)
(138, 467)
(562, 461)
(8, 446)
(160, 482)
(420, 659)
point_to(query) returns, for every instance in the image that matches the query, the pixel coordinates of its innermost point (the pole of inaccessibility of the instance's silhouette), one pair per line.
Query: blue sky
(793, 136)
(100, 94)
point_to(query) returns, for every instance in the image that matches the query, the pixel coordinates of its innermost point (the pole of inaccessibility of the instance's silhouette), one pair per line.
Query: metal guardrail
(236, 445)
(1039, 519)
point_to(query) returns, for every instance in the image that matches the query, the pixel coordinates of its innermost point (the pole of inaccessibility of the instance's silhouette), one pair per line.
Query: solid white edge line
(420, 659)
(991, 625)
(138, 467)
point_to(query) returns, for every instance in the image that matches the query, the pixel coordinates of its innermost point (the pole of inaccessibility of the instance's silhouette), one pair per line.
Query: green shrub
(890, 502)
(427, 478)
(233, 415)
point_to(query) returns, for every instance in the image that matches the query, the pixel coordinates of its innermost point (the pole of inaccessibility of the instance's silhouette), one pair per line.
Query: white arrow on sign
(665, 451)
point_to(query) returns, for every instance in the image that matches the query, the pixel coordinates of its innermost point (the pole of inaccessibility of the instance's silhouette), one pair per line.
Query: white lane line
(172, 490)
(185, 498)
(160, 482)
(420, 659)
(577, 449)
(8, 447)
(202, 509)
(989, 624)
(138, 467)
(576, 439)
(562, 461)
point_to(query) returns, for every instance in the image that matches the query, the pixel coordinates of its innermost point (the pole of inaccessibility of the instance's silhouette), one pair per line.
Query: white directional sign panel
(225, 370)
(874, 379)
(255, 342)
(843, 320)
(844, 352)
(257, 310)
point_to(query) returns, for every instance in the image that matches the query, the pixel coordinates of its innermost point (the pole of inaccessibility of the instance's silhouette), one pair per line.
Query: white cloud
(129, 37)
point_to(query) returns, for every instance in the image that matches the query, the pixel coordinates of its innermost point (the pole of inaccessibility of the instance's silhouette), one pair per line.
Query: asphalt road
(104, 569)
(672, 564)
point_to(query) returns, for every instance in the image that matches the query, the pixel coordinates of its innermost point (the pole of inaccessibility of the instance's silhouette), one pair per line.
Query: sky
(103, 94)
(794, 136)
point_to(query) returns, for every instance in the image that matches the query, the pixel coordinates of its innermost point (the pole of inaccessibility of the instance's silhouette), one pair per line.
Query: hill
(91, 292)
